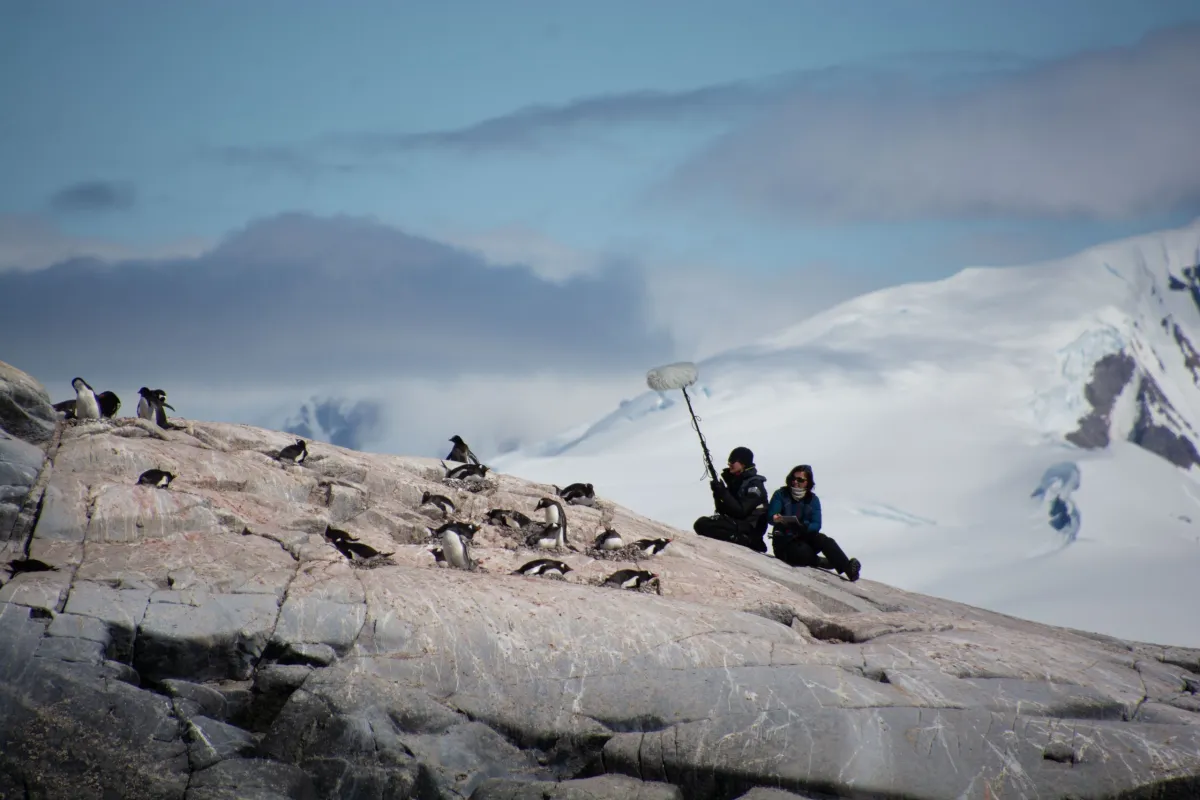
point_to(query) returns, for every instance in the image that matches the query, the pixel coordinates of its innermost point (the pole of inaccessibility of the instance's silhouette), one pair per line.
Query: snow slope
(965, 442)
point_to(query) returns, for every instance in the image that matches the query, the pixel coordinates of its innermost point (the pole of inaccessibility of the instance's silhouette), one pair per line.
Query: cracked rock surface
(206, 642)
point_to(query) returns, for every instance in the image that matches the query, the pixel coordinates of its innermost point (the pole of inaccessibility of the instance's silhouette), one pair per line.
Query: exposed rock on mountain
(206, 641)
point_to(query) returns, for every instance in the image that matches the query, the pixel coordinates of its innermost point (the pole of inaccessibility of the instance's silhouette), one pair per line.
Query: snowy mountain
(1023, 439)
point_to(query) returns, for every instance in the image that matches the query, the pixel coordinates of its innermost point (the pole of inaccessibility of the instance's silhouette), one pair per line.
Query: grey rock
(67, 730)
(66, 649)
(207, 700)
(221, 638)
(121, 609)
(311, 620)
(601, 787)
(182, 625)
(80, 627)
(25, 408)
(210, 741)
(251, 779)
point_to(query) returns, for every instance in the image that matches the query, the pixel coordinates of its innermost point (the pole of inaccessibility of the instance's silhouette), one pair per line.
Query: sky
(490, 219)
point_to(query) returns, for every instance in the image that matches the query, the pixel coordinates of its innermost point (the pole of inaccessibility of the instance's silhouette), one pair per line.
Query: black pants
(728, 529)
(801, 550)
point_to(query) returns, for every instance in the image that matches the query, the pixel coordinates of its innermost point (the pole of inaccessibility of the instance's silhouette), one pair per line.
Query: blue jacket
(808, 511)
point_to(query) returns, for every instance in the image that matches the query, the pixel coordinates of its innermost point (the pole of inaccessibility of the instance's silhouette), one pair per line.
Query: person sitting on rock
(741, 503)
(796, 538)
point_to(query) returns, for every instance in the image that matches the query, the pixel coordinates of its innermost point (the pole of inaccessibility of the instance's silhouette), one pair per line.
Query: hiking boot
(755, 543)
(853, 569)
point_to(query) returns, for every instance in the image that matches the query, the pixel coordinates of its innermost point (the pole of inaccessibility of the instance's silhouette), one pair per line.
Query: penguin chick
(158, 478)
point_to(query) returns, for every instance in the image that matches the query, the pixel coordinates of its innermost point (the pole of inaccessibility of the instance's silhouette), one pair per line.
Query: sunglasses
(798, 479)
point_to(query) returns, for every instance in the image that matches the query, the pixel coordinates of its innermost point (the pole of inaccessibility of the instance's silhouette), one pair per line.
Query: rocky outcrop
(1157, 426)
(205, 641)
(1110, 375)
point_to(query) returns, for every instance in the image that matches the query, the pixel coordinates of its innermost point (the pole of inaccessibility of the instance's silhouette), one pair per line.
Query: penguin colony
(452, 540)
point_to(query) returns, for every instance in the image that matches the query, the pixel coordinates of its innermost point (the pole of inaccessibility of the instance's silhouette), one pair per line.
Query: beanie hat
(743, 455)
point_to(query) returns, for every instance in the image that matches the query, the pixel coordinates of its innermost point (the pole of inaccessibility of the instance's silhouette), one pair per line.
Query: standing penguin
(455, 549)
(460, 452)
(151, 405)
(86, 405)
(555, 516)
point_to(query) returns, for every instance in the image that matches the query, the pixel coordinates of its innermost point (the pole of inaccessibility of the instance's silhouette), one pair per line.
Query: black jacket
(743, 497)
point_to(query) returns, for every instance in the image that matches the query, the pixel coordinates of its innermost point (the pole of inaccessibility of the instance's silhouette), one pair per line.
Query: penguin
(553, 510)
(461, 453)
(157, 478)
(651, 547)
(109, 404)
(580, 494)
(465, 530)
(456, 550)
(350, 547)
(630, 578)
(86, 405)
(609, 539)
(337, 535)
(28, 565)
(66, 407)
(543, 566)
(294, 452)
(554, 517)
(507, 518)
(151, 405)
(552, 536)
(445, 504)
(439, 556)
(465, 471)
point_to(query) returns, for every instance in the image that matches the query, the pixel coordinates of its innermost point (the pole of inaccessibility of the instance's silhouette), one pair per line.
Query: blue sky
(735, 162)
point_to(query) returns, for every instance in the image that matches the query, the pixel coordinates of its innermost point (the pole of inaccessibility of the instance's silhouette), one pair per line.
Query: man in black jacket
(741, 501)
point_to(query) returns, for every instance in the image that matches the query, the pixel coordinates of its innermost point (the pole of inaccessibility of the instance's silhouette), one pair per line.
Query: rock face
(205, 641)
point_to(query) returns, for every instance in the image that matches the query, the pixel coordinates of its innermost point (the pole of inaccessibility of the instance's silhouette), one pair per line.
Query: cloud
(1103, 135)
(94, 196)
(295, 301)
(542, 126)
(293, 160)
(29, 242)
(534, 126)
(337, 421)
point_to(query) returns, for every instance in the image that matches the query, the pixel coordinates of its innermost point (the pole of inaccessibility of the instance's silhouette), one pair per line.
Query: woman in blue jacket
(795, 513)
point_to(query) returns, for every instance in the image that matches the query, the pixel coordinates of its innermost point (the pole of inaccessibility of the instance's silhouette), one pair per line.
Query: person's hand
(776, 518)
(715, 485)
